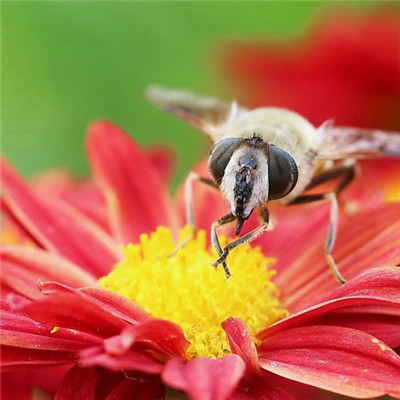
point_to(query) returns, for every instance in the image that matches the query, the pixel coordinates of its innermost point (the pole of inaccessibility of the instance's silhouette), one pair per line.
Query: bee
(271, 155)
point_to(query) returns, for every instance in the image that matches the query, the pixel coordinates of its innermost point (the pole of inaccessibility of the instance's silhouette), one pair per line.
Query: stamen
(187, 290)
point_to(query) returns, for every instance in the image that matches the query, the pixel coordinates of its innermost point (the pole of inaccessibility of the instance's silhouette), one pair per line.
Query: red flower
(347, 68)
(98, 344)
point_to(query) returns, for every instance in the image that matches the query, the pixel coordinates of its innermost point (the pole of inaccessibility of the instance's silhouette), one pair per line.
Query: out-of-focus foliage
(65, 64)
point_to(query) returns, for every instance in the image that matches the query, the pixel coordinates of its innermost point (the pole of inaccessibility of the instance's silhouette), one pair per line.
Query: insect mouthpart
(239, 225)
(242, 193)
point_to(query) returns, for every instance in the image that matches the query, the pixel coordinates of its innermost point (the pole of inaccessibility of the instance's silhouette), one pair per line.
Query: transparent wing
(343, 142)
(205, 113)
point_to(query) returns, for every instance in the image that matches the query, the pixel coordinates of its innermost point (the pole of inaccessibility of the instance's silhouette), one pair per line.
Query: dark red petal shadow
(205, 378)
(101, 384)
(78, 384)
(264, 387)
(16, 385)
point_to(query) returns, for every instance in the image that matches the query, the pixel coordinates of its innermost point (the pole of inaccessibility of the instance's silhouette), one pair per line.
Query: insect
(268, 155)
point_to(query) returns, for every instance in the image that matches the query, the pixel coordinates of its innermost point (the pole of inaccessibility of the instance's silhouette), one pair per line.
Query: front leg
(188, 195)
(215, 240)
(249, 237)
(193, 176)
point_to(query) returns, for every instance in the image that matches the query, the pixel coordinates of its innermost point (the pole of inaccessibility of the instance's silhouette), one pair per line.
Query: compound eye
(220, 155)
(282, 172)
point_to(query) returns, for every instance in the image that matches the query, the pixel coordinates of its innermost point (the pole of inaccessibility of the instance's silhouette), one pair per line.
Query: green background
(65, 64)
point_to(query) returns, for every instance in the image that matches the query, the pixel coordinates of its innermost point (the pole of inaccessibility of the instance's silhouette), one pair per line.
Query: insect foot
(222, 260)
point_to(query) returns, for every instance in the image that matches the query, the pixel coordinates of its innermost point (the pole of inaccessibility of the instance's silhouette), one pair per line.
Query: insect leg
(331, 237)
(332, 229)
(348, 176)
(306, 199)
(347, 170)
(215, 241)
(193, 176)
(188, 195)
(249, 237)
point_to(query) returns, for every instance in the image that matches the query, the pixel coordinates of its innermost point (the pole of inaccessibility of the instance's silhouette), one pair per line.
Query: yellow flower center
(186, 289)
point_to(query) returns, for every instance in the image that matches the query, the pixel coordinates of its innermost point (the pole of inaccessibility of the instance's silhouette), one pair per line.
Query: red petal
(33, 264)
(78, 384)
(15, 280)
(242, 343)
(19, 385)
(134, 347)
(131, 360)
(96, 383)
(114, 303)
(75, 312)
(13, 301)
(364, 241)
(12, 230)
(383, 327)
(137, 198)
(205, 378)
(264, 388)
(382, 282)
(19, 330)
(82, 194)
(16, 385)
(13, 358)
(307, 315)
(342, 360)
(161, 336)
(150, 389)
(57, 227)
(163, 160)
(379, 287)
(49, 379)
(296, 229)
(40, 342)
(270, 386)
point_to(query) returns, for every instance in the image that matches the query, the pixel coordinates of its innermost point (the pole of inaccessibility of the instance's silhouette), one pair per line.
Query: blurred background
(65, 64)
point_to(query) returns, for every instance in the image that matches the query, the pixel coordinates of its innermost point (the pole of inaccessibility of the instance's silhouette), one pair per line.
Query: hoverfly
(269, 155)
